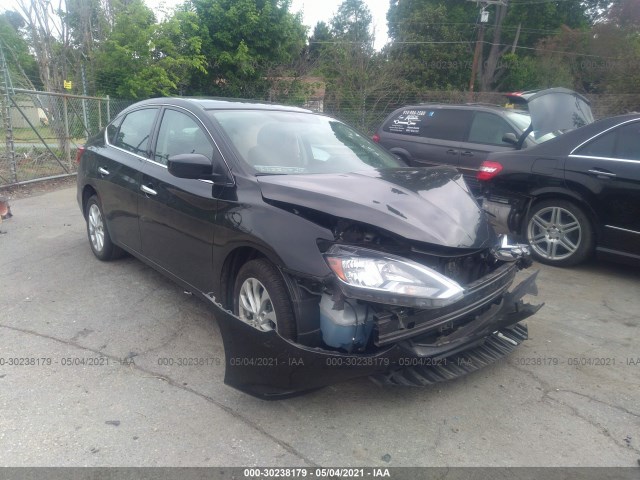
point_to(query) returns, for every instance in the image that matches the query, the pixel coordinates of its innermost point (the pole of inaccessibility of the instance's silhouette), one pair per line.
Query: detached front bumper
(268, 366)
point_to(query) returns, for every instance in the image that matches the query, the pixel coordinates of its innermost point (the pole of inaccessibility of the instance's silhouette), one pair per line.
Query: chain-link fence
(42, 132)
(373, 109)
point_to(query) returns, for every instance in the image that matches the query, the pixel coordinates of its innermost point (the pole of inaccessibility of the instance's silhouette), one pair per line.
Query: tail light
(488, 170)
(79, 153)
(376, 138)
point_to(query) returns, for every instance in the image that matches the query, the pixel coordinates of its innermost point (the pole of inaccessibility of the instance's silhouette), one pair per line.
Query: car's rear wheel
(261, 298)
(559, 233)
(99, 238)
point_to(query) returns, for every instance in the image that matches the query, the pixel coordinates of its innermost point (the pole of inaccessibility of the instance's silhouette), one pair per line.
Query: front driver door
(177, 215)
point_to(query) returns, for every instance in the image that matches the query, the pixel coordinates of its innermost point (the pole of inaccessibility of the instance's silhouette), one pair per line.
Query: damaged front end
(399, 320)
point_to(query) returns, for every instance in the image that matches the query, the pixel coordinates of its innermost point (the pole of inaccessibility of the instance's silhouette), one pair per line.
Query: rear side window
(407, 122)
(135, 131)
(447, 124)
(622, 142)
(439, 123)
(629, 142)
(603, 146)
(488, 129)
(112, 130)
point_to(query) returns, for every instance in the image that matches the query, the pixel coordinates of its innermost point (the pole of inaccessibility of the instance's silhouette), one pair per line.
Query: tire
(274, 311)
(98, 234)
(559, 233)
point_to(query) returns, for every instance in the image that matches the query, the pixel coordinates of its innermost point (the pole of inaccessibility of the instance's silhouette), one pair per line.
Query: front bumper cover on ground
(268, 366)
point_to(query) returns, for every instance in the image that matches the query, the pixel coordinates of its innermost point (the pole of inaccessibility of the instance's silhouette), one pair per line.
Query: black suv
(464, 135)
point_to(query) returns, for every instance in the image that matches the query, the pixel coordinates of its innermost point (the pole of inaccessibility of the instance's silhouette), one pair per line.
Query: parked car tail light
(488, 170)
(79, 153)
(376, 138)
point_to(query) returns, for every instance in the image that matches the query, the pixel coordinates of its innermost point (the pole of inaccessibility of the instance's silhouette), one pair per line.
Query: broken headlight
(377, 277)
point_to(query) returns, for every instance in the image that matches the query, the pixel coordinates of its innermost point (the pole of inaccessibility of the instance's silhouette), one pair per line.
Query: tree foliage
(23, 68)
(244, 41)
(142, 58)
(431, 42)
(260, 49)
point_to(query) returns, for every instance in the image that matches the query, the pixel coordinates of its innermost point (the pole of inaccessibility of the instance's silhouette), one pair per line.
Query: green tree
(244, 43)
(23, 68)
(431, 42)
(142, 59)
(348, 63)
(318, 42)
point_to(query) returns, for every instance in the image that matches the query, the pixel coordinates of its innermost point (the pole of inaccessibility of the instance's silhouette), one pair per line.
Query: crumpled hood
(430, 205)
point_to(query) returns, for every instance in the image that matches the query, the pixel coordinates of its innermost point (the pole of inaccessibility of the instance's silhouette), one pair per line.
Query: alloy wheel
(255, 306)
(96, 228)
(554, 233)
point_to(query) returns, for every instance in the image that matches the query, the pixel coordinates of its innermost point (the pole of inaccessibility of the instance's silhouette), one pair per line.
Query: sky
(315, 11)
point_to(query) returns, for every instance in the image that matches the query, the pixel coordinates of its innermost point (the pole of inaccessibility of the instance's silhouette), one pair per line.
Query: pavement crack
(284, 445)
(593, 399)
(602, 429)
(547, 397)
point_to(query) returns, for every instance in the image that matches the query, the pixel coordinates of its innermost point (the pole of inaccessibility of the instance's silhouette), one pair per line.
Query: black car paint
(198, 231)
(413, 203)
(550, 170)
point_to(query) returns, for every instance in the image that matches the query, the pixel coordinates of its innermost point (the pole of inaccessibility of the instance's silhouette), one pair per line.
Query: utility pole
(477, 56)
(515, 42)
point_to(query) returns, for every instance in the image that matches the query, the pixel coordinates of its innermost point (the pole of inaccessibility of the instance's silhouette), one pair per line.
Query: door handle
(602, 173)
(452, 152)
(147, 190)
(103, 171)
(467, 154)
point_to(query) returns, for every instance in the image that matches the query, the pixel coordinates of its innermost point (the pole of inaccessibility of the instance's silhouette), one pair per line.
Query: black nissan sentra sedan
(322, 256)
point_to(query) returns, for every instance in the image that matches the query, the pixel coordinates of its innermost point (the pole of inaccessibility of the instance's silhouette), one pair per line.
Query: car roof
(568, 141)
(463, 106)
(217, 103)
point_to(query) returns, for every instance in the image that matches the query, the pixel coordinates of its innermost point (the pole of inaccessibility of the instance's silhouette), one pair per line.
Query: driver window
(489, 129)
(179, 133)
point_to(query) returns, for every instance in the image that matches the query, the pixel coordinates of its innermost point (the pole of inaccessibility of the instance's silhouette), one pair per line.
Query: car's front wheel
(261, 298)
(99, 238)
(559, 233)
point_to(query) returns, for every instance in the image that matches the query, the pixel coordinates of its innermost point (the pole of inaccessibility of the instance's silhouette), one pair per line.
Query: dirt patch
(36, 188)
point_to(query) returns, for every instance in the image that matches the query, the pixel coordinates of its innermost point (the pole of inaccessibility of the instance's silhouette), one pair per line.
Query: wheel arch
(87, 192)
(551, 194)
(232, 264)
(305, 305)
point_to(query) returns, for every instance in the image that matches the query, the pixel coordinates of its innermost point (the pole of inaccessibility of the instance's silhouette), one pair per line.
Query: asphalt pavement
(91, 375)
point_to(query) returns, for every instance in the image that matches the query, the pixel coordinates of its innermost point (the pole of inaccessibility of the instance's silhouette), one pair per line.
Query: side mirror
(191, 165)
(510, 138)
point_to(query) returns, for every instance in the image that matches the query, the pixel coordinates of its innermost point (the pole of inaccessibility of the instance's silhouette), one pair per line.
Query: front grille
(464, 269)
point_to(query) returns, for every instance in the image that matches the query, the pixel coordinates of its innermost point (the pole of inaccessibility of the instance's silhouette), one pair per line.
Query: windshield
(273, 142)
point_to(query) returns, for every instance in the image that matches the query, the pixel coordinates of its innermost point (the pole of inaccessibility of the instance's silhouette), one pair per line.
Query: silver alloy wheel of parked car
(96, 228)
(554, 233)
(255, 306)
